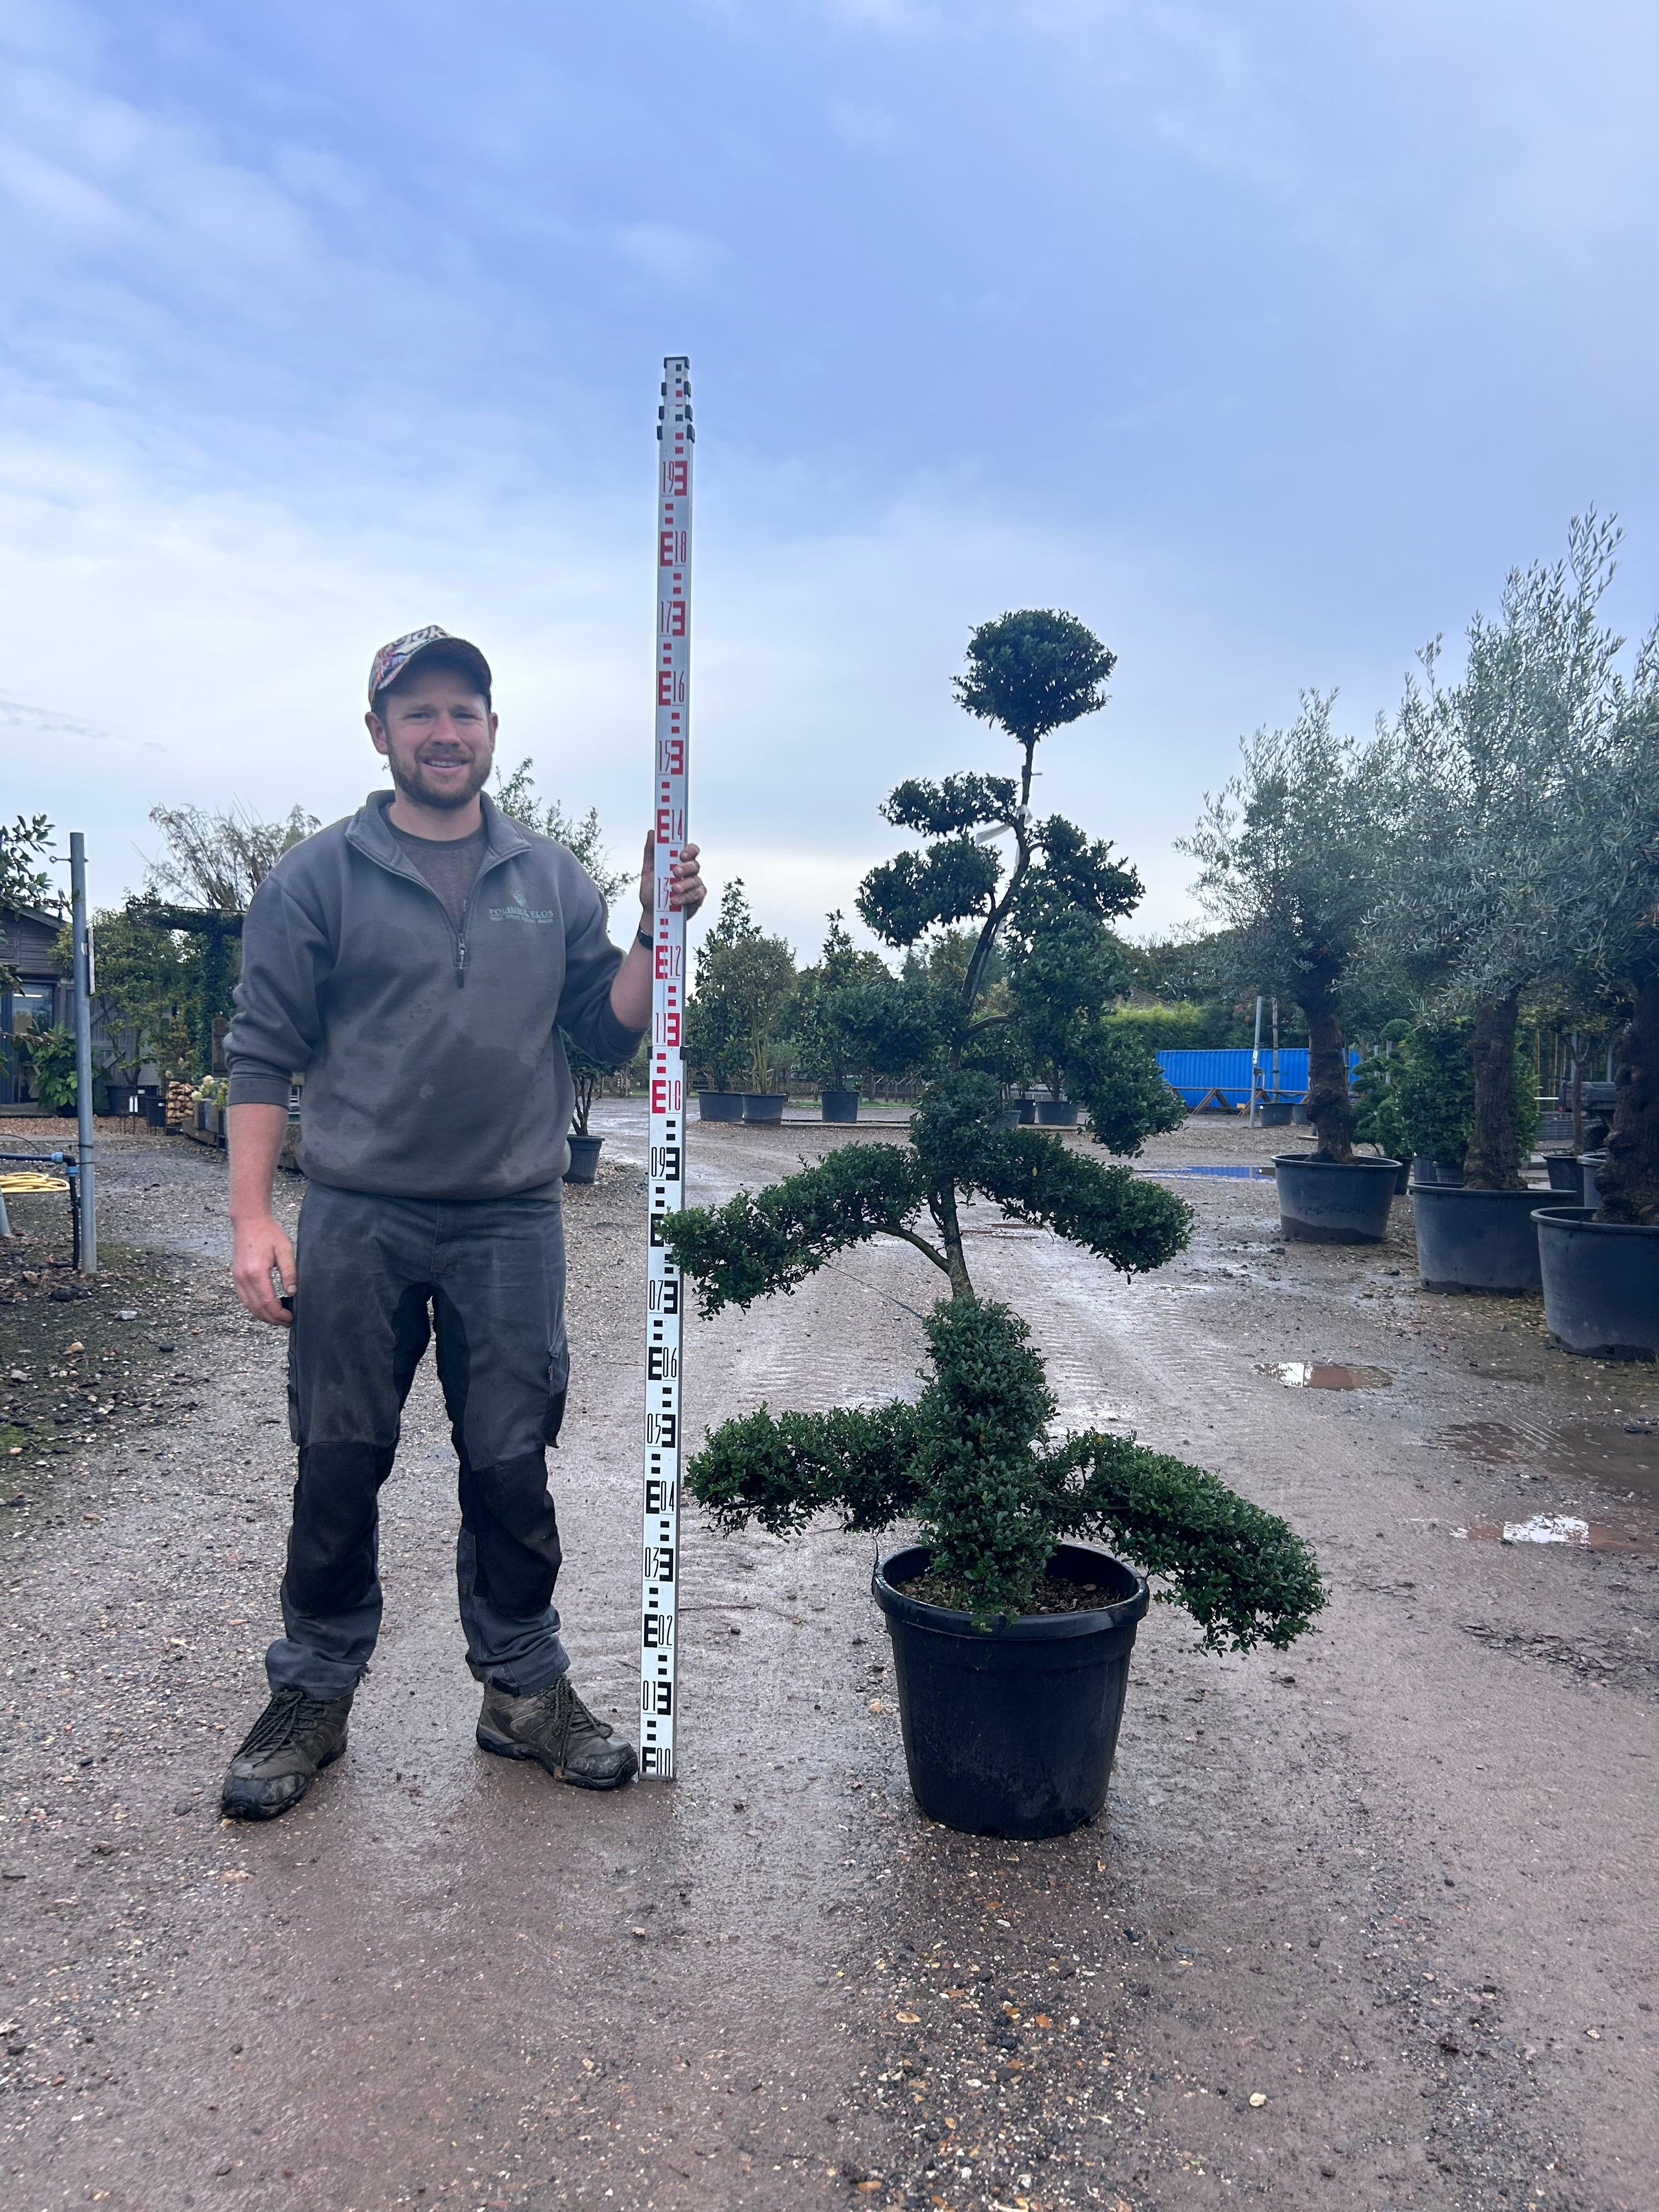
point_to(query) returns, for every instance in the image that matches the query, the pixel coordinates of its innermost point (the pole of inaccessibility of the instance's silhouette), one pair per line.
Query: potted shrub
(1011, 1627)
(585, 1076)
(742, 987)
(1289, 855)
(823, 1034)
(1470, 1236)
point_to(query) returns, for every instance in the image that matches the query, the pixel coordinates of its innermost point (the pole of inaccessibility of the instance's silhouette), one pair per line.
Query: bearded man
(416, 963)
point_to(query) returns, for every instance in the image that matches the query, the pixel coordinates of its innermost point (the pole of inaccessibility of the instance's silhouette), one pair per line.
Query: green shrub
(972, 1459)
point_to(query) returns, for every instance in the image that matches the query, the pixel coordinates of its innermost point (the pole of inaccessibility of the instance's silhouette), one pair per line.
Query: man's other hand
(262, 1249)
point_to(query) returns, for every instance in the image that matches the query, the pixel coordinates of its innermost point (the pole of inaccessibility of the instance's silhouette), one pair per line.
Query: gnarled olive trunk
(1628, 1179)
(1330, 1109)
(1492, 1160)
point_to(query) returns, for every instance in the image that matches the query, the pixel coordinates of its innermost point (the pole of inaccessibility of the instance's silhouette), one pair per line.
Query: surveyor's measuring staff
(665, 1169)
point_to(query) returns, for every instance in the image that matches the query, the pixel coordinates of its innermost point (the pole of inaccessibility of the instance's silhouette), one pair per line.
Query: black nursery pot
(763, 1109)
(840, 1105)
(1276, 1113)
(1334, 1201)
(1475, 1240)
(720, 1105)
(1565, 1175)
(1011, 1730)
(1056, 1113)
(1601, 1284)
(1426, 1168)
(584, 1159)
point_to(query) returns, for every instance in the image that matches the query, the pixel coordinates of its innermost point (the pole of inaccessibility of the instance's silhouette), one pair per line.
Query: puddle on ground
(1619, 1459)
(1232, 1174)
(1315, 1375)
(1558, 1529)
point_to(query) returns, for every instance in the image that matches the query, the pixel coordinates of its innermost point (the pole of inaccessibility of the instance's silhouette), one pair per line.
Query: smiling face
(438, 735)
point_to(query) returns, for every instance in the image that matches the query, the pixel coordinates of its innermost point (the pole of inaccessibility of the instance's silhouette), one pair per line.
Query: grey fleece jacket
(433, 1063)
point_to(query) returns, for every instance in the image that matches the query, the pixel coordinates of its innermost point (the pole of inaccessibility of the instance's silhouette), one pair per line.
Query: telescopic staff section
(665, 1172)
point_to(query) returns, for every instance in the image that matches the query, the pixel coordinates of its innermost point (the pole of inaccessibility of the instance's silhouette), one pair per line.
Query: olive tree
(1291, 855)
(1481, 769)
(1592, 896)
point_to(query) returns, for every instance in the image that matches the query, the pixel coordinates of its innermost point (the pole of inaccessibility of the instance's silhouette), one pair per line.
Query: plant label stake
(665, 1174)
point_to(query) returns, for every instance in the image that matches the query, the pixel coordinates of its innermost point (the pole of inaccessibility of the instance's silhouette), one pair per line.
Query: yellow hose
(26, 1180)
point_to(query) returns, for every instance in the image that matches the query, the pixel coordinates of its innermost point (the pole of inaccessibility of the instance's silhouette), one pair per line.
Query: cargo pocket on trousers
(293, 1390)
(558, 1385)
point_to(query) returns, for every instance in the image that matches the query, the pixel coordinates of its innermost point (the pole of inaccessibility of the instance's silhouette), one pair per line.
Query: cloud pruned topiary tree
(974, 1459)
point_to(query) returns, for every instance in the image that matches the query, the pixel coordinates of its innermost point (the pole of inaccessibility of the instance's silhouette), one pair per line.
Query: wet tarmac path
(1369, 1924)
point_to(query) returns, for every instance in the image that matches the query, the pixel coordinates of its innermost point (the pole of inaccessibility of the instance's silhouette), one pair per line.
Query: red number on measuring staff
(672, 618)
(670, 824)
(670, 756)
(671, 688)
(669, 958)
(668, 1029)
(671, 549)
(674, 484)
(665, 1095)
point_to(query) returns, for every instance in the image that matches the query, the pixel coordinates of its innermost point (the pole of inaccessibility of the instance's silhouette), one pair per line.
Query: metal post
(81, 940)
(1256, 1069)
(1275, 1048)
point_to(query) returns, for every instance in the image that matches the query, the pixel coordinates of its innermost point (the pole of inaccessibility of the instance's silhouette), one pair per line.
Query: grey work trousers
(377, 1278)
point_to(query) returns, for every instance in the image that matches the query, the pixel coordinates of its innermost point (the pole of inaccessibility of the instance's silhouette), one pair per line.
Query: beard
(412, 780)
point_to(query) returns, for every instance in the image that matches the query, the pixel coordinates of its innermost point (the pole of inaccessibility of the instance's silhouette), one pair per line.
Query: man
(417, 963)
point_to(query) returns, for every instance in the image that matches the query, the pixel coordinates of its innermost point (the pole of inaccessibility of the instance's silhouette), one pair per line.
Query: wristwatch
(645, 938)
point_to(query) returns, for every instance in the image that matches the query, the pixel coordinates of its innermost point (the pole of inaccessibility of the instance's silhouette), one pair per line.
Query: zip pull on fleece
(460, 961)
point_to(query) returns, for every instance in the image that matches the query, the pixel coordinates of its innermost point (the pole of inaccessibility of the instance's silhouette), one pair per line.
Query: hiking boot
(291, 1742)
(555, 1727)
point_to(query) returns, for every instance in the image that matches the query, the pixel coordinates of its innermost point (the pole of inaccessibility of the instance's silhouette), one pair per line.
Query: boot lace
(289, 1713)
(566, 1715)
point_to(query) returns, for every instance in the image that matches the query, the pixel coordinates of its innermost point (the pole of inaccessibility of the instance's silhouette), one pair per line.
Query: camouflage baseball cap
(390, 662)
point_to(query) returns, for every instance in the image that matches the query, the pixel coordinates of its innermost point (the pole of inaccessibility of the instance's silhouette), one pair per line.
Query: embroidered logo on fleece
(519, 911)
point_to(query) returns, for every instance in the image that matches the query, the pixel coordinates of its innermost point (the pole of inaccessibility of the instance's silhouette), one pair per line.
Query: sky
(1264, 338)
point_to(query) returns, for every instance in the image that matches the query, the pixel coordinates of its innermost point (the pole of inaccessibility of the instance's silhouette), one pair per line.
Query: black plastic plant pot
(840, 1105)
(1601, 1284)
(1333, 1202)
(1056, 1113)
(1475, 1240)
(1589, 1184)
(1426, 1168)
(763, 1109)
(720, 1105)
(584, 1159)
(1276, 1113)
(1402, 1181)
(1011, 1730)
(1565, 1175)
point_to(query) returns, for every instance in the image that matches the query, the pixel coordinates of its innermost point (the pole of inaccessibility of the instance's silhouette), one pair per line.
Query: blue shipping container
(1196, 1074)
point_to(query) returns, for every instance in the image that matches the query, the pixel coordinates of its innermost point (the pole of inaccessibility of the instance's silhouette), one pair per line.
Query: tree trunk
(1329, 1107)
(1628, 1180)
(943, 1210)
(1492, 1161)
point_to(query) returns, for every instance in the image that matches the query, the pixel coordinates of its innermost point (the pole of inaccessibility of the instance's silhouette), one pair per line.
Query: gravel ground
(1365, 1925)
